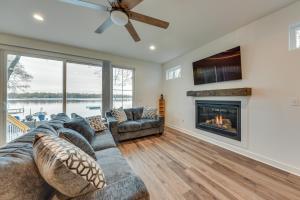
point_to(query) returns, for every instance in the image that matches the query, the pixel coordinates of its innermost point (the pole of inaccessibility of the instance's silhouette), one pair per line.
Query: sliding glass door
(38, 88)
(34, 92)
(84, 89)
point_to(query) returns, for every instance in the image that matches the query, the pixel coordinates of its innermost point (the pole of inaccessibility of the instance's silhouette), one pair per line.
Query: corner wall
(273, 132)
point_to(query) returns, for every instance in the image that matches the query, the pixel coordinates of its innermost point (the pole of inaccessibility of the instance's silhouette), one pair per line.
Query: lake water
(83, 107)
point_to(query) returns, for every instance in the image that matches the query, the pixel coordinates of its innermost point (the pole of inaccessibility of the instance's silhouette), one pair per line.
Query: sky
(48, 76)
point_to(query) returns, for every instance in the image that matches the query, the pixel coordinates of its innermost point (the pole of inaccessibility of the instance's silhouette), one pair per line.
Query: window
(34, 92)
(173, 73)
(122, 87)
(38, 88)
(37, 85)
(84, 89)
(298, 38)
(295, 37)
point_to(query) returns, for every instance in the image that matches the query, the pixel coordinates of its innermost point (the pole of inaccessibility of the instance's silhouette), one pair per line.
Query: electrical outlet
(295, 101)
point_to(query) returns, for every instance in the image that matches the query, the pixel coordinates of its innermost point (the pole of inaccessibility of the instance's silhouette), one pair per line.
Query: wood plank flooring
(178, 166)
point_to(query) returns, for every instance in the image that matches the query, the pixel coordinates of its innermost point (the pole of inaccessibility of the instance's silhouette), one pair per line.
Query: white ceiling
(193, 23)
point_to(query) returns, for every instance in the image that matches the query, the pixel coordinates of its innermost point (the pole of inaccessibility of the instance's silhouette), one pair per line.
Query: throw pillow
(78, 140)
(149, 113)
(129, 114)
(80, 125)
(66, 167)
(96, 123)
(137, 113)
(119, 114)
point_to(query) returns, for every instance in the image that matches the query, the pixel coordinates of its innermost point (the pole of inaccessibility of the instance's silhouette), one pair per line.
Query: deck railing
(15, 128)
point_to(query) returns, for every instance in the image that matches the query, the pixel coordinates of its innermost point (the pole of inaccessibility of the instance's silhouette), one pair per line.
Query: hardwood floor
(178, 166)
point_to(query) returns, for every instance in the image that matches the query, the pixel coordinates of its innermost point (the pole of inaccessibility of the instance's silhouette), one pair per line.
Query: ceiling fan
(120, 14)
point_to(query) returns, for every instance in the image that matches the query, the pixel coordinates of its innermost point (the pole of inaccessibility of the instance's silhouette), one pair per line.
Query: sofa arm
(112, 126)
(161, 120)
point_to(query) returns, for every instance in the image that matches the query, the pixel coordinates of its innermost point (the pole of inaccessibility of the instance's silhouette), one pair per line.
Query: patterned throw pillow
(119, 114)
(96, 123)
(149, 113)
(66, 167)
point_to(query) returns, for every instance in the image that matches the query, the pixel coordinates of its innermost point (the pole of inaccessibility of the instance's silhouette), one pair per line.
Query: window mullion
(65, 86)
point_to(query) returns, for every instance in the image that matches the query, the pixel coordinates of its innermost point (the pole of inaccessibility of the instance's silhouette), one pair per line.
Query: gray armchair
(135, 126)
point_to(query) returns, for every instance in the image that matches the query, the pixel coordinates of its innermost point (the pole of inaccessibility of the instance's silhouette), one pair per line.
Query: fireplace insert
(219, 117)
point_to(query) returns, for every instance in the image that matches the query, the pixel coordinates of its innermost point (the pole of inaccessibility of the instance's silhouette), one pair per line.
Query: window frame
(173, 70)
(293, 36)
(133, 82)
(6, 50)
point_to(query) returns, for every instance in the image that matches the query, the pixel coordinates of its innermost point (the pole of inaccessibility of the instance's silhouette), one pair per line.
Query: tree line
(46, 95)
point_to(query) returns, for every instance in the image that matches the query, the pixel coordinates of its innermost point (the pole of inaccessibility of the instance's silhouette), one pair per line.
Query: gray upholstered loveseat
(20, 178)
(135, 126)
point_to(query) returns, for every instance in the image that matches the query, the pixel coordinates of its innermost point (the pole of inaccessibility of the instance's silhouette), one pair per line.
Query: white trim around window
(133, 82)
(294, 36)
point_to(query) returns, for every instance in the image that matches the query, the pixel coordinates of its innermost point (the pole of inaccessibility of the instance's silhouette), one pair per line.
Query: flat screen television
(225, 66)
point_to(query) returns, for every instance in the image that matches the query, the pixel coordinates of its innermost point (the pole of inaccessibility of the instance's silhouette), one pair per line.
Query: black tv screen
(225, 66)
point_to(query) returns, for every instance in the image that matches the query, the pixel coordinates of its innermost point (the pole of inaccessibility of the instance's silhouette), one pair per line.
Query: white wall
(272, 124)
(147, 90)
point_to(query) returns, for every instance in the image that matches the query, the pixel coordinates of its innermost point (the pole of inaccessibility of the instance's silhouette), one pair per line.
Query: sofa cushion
(81, 125)
(129, 126)
(20, 178)
(114, 166)
(61, 117)
(29, 137)
(149, 123)
(129, 114)
(130, 188)
(137, 113)
(78, 140)
(121, 181)
(103, 140)
(66, 167)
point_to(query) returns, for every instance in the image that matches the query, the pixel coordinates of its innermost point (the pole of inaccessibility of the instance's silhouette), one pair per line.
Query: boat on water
(41, 115)
(93, 107)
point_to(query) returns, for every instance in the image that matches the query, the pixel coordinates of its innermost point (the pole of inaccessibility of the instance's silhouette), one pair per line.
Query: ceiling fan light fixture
(119, 18)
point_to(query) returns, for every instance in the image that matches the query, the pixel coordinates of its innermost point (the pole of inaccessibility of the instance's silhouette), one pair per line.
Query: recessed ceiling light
(152, 47)
(38, 17)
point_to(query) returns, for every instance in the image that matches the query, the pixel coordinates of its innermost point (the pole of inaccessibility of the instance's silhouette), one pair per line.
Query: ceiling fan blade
(132, 32)
(129, 4)
(108, 23)
(148, 20)
(86, 4)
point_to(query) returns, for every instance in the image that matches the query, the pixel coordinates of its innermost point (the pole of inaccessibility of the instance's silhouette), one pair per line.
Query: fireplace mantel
(222, 92)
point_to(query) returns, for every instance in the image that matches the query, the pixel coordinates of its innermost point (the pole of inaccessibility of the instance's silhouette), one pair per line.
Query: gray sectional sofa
(20, 178)
(135, 126)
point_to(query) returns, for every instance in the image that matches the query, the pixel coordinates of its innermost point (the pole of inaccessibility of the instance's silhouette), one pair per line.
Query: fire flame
(219, 120)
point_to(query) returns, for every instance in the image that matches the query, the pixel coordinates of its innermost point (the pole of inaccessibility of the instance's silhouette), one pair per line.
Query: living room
(196, 105)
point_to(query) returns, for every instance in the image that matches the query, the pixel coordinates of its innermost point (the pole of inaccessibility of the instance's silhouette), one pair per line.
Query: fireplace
(219, 117)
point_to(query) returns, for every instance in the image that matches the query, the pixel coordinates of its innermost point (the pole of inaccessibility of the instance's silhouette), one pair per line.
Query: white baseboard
(239, 150)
